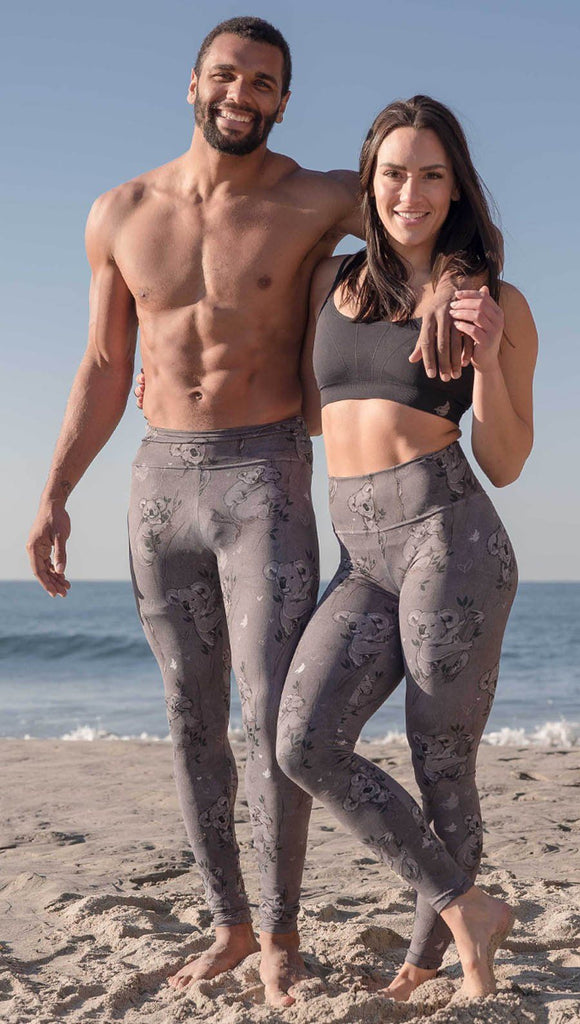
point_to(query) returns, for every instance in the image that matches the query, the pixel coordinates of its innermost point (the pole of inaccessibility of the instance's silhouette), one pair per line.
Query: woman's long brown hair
(376, 280)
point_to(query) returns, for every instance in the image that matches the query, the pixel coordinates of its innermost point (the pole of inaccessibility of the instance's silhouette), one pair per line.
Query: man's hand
(440, 345)
(139, 391)
(51, 529)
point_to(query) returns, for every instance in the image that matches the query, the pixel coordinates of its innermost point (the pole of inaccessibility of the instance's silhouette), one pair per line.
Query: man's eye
(435, 174)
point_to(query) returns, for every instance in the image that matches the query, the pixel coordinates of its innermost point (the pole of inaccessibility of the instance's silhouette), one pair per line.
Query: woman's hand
(477, 315)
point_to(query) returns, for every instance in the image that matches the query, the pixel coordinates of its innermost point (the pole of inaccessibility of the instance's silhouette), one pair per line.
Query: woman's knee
(291, 754)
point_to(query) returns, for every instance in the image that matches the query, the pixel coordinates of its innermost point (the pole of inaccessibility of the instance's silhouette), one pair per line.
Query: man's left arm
(348, 203)
(440, 345)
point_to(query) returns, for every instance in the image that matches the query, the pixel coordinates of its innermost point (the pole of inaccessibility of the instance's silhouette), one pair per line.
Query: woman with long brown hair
(427, 573)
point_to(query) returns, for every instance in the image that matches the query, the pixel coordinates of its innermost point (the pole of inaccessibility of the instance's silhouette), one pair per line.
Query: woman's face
(413, 187)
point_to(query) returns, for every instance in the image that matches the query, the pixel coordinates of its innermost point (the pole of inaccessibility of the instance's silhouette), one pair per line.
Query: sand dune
(100, 900)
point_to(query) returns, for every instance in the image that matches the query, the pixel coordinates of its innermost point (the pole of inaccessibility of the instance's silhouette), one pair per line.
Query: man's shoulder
(341, 185)
(111, 209)
(122, 199)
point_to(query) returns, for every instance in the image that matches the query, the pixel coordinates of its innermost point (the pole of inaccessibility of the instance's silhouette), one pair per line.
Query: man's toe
(276, 996)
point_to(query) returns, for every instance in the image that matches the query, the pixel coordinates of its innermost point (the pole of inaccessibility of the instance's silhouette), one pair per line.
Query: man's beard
(206, 115)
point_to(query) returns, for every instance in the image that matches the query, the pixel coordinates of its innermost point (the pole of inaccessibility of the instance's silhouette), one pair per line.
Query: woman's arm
(319, 288)
(504, 357)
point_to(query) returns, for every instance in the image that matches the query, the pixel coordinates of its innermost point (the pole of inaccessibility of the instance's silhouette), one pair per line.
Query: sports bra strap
(336, 279)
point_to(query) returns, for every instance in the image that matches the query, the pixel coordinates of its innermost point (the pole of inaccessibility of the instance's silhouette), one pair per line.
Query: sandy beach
(100, 900)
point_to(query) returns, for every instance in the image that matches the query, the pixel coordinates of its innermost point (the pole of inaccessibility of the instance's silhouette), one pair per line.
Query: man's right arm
(97, 398)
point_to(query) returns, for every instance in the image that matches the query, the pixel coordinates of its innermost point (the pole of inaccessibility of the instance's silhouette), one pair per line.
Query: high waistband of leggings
(165, 448)
(403, 493)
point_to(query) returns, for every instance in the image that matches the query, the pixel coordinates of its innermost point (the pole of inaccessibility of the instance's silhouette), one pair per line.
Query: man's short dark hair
(258, 31)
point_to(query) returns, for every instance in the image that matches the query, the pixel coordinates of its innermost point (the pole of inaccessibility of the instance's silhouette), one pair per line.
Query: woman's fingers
(479, 334)
(467, 353)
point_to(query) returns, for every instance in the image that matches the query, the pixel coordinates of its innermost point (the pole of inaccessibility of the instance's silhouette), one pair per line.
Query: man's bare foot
(479, 924)
(233, 943)
(408, 979)
(281, 967)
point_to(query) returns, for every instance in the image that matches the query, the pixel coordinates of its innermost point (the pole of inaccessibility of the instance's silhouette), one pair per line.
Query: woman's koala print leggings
(424, 588)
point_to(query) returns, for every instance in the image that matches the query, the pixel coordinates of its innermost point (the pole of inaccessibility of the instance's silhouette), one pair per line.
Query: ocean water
(80, 668)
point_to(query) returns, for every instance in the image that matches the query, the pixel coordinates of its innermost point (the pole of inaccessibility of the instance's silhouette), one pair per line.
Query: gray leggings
(224, 554)
(424, 588)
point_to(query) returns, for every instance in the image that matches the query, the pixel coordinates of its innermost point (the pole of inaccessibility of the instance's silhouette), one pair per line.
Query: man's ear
(282, 109)
(456, 194)
(191, 92)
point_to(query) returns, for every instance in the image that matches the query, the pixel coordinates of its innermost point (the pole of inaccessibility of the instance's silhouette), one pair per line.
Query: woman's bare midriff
(368, 435)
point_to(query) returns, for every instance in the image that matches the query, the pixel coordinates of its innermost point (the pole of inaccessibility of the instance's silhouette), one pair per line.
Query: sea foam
(562, 734)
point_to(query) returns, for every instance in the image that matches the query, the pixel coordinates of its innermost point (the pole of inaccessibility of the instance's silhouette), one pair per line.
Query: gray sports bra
(371, 360)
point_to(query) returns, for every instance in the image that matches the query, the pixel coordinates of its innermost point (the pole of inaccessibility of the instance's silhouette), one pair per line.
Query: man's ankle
(289, 940)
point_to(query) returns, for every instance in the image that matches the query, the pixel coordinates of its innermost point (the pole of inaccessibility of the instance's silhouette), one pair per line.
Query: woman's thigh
(452, 626)
(346, 664)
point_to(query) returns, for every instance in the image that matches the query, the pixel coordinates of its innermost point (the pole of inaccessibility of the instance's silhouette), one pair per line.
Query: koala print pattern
(365, 633)
(427, 547)
(415, 597)
(200, 605)
(444, 639)
(295, 583)
(444, 756)
(224, 566)
(156, 517)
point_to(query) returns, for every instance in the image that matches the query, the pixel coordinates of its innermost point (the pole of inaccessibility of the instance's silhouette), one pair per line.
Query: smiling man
(211, 257)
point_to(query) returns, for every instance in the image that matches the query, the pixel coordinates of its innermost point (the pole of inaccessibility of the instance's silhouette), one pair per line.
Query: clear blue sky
(95, 93)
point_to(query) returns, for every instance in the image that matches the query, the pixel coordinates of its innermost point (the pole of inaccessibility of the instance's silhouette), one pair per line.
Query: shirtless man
(211, 257)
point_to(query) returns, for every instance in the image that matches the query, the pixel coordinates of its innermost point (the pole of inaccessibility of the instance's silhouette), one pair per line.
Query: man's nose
(237, 91)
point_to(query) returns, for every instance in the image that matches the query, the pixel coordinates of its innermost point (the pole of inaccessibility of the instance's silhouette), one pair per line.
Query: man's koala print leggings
(224, 556)
(424, 588)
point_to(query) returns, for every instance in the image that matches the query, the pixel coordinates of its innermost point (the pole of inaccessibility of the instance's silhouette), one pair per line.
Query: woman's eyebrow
(402, 167)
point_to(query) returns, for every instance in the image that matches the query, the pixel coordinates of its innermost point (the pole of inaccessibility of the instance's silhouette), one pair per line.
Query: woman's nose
(409, 188)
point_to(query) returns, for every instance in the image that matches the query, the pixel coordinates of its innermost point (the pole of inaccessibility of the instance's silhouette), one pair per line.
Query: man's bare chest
(175, 259)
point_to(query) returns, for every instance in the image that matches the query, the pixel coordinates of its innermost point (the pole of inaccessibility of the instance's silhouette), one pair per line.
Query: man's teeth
(410, 216)
(229, 116)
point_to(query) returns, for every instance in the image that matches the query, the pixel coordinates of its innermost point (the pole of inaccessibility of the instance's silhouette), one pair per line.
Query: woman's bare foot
(233, 943)
(408, 979)
(281, 967)
(479, 924)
